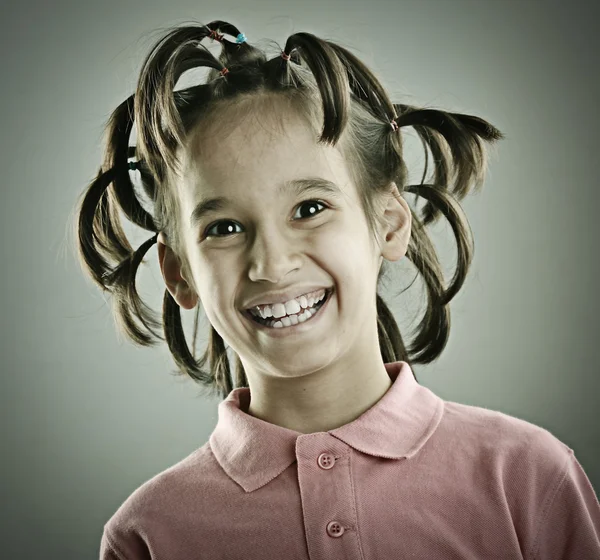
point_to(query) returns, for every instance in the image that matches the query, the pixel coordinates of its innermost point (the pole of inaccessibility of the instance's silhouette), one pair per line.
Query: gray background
(86, 417)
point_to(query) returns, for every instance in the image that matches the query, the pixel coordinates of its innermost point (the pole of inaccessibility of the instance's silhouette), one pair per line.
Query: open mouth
(313, 311)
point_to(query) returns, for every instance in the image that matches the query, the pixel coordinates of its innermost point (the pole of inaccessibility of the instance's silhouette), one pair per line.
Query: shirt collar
(253, 452)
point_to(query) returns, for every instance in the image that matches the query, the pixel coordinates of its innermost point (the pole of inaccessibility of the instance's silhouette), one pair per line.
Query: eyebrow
(295, 186)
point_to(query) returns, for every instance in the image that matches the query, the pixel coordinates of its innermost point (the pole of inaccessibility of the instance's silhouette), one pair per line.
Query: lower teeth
(308, 313)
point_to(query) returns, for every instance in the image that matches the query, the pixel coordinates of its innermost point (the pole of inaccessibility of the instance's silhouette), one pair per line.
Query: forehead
(257, 147)
(248, 134)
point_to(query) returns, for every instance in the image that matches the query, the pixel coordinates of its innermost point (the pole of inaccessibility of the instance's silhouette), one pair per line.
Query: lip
(287, 297)
(293, 329)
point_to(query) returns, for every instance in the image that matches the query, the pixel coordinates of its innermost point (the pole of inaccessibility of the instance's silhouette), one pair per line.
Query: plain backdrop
(87, 417)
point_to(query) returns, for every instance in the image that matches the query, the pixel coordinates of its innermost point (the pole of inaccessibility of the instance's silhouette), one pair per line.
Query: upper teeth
(291, 307)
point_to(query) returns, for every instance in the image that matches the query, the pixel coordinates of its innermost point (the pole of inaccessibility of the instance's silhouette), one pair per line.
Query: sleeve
(570, 524)
(128, 546)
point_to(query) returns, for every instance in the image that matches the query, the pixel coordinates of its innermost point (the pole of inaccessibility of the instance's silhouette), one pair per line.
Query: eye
(214, 226)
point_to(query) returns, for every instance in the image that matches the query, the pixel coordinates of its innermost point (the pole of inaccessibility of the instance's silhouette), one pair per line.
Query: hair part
(340, 97)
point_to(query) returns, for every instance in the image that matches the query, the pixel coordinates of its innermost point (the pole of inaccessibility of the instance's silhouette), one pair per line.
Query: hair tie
(224, 71)
(241, 38)
(285, 56)
(394, 125)
(215, 36)
(133, 165)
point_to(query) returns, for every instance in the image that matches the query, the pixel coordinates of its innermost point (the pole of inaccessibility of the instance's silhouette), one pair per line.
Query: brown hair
(330, 87)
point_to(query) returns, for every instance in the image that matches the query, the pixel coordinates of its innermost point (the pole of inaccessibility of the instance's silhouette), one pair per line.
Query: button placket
(326, 461)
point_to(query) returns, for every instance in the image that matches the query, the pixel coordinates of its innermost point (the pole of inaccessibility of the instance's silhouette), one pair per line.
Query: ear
(170, 266)
(396, 233)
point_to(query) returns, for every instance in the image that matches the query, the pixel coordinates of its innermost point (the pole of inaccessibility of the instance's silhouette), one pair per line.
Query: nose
(272, 256)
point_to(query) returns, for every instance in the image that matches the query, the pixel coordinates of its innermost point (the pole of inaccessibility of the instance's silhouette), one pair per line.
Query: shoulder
(526, 470)
(513, 442)
(147, 504)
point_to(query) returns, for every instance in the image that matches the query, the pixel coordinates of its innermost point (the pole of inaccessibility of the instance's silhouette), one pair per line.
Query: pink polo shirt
(413, 477)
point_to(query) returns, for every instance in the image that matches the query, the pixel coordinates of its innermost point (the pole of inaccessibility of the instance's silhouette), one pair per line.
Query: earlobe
(185, 297)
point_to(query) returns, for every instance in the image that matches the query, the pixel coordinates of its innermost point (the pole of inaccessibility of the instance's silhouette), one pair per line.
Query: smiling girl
(278, 189)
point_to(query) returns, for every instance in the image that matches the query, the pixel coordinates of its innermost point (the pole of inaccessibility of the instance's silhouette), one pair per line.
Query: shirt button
(326, 461)
(335, 529)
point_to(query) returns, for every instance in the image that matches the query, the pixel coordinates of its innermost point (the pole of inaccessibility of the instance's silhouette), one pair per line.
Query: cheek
(350, 258)
(213, 272)
(347, 244)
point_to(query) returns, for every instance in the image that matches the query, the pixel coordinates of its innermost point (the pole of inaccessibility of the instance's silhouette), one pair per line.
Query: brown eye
(309, 203)
(223, 232)
(226, 231)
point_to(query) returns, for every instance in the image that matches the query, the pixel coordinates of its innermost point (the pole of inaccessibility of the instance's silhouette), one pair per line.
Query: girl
(277, 188)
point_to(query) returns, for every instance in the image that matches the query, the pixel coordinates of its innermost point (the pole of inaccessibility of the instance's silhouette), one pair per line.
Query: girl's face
(268, 236)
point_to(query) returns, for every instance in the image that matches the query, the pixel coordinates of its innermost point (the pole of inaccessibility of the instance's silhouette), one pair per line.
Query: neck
(319, 400)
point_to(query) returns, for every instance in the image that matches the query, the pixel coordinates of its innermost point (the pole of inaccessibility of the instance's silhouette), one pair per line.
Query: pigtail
(101, 235)
(456, 142)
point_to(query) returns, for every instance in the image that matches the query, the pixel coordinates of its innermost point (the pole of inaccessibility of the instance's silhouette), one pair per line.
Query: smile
(293, 323)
